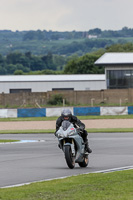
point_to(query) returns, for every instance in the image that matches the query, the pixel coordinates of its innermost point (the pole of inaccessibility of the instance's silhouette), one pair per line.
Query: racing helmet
(66, 114)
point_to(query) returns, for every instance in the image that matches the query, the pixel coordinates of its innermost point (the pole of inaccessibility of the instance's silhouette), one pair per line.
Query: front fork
(72, 145)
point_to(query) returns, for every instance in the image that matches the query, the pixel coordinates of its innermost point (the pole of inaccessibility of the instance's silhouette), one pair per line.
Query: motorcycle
(72, 144)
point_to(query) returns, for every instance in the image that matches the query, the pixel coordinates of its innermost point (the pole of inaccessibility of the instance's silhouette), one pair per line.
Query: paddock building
(118, 69)
(44, 83)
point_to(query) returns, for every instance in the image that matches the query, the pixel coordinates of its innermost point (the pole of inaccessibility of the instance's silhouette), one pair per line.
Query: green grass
(101, 130)
(109, 186)
(109, 130)
(26, 131)
(55, 118)
(28, 119)
(4, 141)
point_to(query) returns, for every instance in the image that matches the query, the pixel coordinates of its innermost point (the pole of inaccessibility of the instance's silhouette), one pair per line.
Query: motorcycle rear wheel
(70, 159)
(85, 162)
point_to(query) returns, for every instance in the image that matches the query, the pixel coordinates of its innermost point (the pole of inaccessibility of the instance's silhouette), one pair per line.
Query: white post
(92, 102)
(63, 102)
(120, 102)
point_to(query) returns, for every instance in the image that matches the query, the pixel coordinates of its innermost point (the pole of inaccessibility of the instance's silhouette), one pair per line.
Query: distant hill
(61, 43)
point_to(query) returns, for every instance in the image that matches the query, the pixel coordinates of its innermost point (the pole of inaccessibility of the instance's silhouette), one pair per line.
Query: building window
(19, 90)
(119, 79)
(62, 89)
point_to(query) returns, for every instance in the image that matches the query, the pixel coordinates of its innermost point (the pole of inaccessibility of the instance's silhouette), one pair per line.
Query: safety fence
(78, 111)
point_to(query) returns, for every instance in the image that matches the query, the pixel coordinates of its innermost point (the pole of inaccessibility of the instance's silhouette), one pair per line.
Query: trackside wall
(111, 96)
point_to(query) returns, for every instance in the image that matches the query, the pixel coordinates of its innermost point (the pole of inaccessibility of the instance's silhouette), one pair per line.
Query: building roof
(51, 78)
(115, 58)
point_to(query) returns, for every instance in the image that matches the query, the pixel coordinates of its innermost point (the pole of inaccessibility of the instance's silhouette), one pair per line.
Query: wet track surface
(42, 159)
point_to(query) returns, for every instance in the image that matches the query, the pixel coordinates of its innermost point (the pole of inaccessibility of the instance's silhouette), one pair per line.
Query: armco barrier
(32, 112)
(78, 111)
(130, 110)
(50, 112)
(3, 113)
(113, 110)
(8, 113)
(12, 113)
(83, 111)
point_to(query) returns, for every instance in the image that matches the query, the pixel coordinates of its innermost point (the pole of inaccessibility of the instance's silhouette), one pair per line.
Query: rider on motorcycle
(67, 115)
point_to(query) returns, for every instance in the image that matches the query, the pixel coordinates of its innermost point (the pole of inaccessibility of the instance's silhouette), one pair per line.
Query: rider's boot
(87, 148)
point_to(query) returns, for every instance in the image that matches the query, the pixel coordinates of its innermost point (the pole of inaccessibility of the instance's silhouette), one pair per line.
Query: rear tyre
(70, 159)
(85, 162)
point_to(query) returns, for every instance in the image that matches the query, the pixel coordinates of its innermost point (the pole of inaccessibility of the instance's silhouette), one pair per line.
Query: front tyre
(70, 159)
(85, 162)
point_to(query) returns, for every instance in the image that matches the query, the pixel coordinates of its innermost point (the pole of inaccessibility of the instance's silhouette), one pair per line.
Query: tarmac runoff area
(34, 125)
(35, 159)
(40, 125)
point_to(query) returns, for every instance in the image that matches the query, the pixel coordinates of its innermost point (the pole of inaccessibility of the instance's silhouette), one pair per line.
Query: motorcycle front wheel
(70, 159)
(85, 162)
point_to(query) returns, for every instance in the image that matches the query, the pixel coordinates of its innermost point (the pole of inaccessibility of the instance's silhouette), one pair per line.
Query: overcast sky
(65, 15)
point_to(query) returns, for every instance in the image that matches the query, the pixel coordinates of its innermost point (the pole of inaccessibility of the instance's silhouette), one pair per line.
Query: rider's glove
(55, 133)
(81, 129)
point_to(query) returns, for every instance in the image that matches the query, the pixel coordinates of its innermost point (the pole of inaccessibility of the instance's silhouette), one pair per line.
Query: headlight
(61, 135)
(71, 133)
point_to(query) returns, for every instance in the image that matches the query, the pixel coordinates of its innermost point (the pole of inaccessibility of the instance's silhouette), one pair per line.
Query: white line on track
(115, 169)
(22, 141)
(102, 171)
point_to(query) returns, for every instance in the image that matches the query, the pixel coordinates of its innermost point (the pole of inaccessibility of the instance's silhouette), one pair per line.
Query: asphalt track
(34, 161)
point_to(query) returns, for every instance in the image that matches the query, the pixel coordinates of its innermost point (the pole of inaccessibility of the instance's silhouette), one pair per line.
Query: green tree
(3, 70)
(2, 60)
(128, 47)
(18, 72)
(57, 99)
(83, 65)
(13, 58)
(95, 31)
(11, 68)
(48, 61)
(36, 63)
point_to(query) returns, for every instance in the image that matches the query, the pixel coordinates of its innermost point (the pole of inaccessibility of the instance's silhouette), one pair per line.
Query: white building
(92, 36)
(44, 83)
(118, 69)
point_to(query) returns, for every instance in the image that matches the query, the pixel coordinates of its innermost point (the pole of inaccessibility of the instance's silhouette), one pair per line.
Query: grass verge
(109, 130)
(55, 118)
(112, 186)
(4, 141)
(26, 131)
(102, 130)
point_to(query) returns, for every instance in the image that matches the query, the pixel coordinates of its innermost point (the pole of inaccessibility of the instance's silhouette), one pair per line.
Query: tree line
(27, 63)
(56, 35)
(19, 63)
(8, 35)
(61, 43)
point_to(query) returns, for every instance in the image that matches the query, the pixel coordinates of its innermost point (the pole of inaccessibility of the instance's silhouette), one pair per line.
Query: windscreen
(65, 125)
